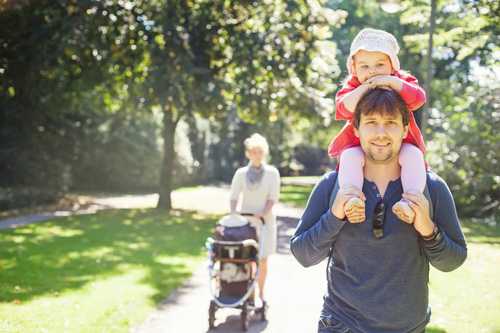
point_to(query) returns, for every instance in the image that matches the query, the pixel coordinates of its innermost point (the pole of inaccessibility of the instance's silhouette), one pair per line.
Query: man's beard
(381, 158)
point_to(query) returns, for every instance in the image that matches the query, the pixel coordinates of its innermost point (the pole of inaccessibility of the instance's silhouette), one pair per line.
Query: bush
(465, 148)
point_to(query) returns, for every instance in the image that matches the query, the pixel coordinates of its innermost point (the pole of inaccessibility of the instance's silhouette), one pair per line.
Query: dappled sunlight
(71, 254)
(80, 308)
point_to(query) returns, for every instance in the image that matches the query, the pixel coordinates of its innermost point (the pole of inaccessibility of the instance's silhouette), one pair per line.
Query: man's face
(381, 136)
(368, 64)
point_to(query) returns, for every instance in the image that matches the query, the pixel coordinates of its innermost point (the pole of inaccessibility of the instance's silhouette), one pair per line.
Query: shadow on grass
(66, 254)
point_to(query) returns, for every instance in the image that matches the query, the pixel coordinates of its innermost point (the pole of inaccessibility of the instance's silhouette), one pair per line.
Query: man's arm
(445, 248)
(318, 227)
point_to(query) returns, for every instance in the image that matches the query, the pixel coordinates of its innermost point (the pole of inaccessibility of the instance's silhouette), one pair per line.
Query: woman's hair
(383, 101)
(257, 141)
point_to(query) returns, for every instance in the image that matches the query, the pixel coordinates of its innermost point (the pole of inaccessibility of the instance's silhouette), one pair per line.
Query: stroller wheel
(211, 315)
(245, 318)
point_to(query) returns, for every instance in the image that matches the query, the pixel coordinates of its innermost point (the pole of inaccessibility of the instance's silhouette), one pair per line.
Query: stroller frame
(247, 307)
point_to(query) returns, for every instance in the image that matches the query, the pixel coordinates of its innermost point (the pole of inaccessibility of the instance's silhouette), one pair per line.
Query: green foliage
(460, 133)
(87, 60)
(465, 149)
(60, 79)
(84, 86)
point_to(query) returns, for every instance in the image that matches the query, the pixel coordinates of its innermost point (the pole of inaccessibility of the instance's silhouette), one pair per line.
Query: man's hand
(420, 205)
(341, 199)
(385, 81)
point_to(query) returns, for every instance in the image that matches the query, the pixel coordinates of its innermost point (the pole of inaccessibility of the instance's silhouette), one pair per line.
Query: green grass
(468, 299)
(99, 273)
(295, 195)
(107, 272)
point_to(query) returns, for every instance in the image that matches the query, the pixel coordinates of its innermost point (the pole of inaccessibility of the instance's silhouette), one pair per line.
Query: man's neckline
(392, 186)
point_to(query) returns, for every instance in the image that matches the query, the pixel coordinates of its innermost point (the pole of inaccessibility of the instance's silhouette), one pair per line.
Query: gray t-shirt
(378, 285)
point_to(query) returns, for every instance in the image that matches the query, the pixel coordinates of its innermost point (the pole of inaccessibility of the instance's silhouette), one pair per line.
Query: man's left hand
(420, 205)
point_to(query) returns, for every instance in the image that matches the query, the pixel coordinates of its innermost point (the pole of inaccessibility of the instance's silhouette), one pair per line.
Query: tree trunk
(167, 166)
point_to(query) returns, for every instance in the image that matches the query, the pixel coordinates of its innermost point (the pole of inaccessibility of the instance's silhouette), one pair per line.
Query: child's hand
(385, 81)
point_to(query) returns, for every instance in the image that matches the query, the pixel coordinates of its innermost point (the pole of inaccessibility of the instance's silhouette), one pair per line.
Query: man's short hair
(382, 101)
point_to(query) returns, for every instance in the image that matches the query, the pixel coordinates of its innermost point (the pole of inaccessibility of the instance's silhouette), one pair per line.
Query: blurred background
(149, 96)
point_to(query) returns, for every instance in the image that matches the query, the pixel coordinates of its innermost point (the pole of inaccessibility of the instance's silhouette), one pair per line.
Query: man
(379, 267)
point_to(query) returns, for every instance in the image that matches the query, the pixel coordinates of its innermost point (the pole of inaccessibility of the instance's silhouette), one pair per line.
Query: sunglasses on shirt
(378, 220)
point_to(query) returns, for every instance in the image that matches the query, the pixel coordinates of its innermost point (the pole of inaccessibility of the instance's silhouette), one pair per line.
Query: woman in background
(259, 184)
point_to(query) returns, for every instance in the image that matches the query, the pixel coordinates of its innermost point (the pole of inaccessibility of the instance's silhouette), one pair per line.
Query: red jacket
(412, 94)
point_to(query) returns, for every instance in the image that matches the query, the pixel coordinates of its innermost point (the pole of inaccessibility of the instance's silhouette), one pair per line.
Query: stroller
(234, 267)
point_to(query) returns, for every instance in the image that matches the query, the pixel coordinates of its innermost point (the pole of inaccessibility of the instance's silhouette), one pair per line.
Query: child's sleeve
(412, 93)
(341, 113)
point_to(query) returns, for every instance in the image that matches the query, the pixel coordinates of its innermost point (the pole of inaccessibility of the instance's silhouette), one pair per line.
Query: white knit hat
(375, 40)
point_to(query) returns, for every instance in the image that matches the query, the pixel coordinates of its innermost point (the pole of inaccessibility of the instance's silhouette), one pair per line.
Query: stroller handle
(253, 215)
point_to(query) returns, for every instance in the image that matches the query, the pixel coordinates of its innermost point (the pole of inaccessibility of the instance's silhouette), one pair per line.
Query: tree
(65, 69)
(265, 61)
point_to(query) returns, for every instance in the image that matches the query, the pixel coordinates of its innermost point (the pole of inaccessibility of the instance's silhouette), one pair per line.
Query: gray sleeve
(448, 251)
(317, 229)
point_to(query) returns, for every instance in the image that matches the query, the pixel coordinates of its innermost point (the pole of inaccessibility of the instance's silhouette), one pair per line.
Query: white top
(254, 200)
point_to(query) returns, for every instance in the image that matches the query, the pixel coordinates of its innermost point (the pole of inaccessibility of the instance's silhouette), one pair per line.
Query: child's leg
(413, 175)
(413, 178)
(350, 174)
(351, 165)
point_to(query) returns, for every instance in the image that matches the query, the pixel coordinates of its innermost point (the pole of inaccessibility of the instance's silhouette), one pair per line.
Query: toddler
(373, 62)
